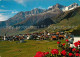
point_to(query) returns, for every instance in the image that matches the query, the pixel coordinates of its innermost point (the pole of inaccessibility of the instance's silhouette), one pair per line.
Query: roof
(57, 33)
(54, 37)
(61, 35)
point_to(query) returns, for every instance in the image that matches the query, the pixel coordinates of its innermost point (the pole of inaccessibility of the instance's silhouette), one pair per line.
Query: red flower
(39, 54)
(77, 54)
(77, 51)
(46, 53)
(70, 47)
(70, 54)
(63, 44)
(63, 53)
(67, 40)
(58, 42)
(73, 49)
(76, 44)
(78, 41)
(55, 51)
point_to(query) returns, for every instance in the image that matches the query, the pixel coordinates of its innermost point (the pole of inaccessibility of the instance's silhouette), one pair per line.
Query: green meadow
(27, 49)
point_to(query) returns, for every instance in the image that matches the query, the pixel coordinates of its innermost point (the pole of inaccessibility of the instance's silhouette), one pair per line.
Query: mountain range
(32, 17)
(46, 17)
(19, 17)
(35, 17)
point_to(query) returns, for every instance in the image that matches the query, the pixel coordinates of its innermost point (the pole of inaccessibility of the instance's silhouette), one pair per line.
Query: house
(53, 37)
(45, 32)
(57, 33)
(75, 39)
(61, 36)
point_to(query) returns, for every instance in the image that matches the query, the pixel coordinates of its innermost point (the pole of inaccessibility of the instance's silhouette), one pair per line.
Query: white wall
(75, 40)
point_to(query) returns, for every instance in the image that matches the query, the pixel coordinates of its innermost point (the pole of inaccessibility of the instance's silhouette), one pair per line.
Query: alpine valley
(44, 19)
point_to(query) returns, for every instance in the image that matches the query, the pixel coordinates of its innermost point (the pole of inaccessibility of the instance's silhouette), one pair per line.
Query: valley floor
(27, 49)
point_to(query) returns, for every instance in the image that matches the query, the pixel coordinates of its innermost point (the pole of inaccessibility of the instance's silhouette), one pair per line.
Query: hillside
(45, 20)
(42, 18)
(19, 17)
(69, 18)
(76, 31)
(32, 17)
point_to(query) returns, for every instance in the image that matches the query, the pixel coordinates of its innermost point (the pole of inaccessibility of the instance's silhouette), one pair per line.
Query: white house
(75, 40)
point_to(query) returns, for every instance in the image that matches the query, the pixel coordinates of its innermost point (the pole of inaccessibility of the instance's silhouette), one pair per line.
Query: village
(39, 28)
(38, 36)
(46, 37)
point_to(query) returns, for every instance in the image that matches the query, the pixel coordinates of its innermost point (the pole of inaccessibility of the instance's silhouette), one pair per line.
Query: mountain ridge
(68, 18)
(21, 17)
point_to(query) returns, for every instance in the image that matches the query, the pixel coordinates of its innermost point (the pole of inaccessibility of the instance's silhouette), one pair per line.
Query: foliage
(67, 51)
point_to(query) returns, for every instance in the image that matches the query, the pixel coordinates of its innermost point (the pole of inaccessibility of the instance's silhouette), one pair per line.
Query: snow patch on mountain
(70, 7)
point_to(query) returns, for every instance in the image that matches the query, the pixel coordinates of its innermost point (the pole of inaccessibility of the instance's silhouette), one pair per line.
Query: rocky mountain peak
(57, 6)
(20, 13)
(36, 11)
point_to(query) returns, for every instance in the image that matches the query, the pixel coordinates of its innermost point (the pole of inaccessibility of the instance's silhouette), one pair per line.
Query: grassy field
(27, 49)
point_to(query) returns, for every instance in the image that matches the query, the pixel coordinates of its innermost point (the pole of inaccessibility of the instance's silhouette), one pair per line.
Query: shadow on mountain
(45, 23)
(72, 13)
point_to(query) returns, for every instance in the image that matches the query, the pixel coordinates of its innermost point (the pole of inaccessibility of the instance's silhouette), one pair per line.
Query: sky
(9, 8)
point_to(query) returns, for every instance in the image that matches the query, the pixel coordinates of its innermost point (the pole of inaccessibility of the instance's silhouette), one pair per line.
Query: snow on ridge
(70, 7)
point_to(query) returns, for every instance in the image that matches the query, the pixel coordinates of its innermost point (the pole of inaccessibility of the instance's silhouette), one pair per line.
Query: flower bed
(67, 51)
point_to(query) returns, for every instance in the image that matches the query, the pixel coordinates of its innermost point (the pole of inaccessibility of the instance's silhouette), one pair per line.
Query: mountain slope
(70, 18)
(37, 19)
(52, 17)
(19, 17)
(56, 6)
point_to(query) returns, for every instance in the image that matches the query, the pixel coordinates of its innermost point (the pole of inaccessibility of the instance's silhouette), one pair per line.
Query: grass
(27, 49)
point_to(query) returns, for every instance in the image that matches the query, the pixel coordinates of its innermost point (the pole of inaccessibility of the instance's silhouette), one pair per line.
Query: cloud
(2, 6)
(0, 0)
(21, 2)
(41, 7)
(14, 12)
(6, 14)
(2, 10)
(3, 17)
(79, 0)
